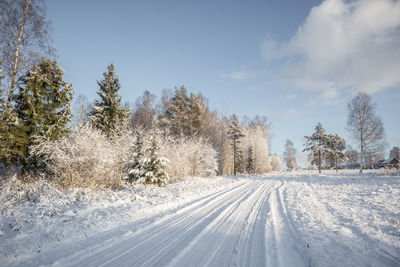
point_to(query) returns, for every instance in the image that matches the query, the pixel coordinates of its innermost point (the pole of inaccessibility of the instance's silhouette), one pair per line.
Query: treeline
(365, 128)
(150, 142)
(110, 143)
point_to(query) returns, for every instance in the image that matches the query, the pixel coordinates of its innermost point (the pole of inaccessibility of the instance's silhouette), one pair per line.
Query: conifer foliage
(250, 160)
(43, 107)
(183, 115)
(107, 114)
(336, 146)
(135, 168)
(235, 133)
(155, 166)
(316, 144)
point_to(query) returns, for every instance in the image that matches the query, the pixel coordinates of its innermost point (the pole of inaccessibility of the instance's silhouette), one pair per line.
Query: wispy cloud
(290, 114)
(291, 96)
(240, 75)
(343, 46)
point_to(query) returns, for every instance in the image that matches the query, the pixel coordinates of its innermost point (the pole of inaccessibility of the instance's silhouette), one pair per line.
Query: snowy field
(280, 219)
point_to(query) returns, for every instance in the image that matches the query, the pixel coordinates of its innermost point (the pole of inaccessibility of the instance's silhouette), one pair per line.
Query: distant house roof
(391, 161)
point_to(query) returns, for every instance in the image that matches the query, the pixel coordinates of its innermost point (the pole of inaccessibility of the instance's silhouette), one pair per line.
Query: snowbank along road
(258, 221)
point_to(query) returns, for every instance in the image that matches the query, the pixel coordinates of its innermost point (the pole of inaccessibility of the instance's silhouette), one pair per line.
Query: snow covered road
(256, 221)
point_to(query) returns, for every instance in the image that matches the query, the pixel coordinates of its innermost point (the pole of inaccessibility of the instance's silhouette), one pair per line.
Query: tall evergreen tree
(8, 131)
(43, 107)
(250, 160)
(108, 115)
(336, 146)
(154, 166)
(316, 144)
(183, 115)
(136, 170)
(235, 133)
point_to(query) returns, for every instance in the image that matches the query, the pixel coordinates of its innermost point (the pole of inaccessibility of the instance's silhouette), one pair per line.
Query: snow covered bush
(86, 158)
(189, 157)
(257, 138)
(276, 163)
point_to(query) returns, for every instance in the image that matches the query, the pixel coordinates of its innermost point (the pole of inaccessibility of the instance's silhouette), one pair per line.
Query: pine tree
(43, 106)
(317, 145)
(4, 122)
(336, 146)
(195, 112)
(8, 122)
(235, 133)
(136, 170)
(107, 114)
(154, 166)
(183, 115)
(250, 160)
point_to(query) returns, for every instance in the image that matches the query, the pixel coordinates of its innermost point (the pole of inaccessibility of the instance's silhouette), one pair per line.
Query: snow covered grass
(346, 213)
(37, 216)
(332, 219)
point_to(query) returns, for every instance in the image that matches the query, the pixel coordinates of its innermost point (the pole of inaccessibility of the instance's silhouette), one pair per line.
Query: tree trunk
(336, 163)
(319, 162)
(234, 157)
(361, 159)
(16, 58)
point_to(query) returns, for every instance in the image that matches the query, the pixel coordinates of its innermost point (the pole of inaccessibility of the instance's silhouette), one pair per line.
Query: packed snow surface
(279, 219)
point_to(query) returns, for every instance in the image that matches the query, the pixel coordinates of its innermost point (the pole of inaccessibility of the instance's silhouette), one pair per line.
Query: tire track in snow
(106, 241)
(222, 242)
(281, 247)
(128, 250)
(245, 225)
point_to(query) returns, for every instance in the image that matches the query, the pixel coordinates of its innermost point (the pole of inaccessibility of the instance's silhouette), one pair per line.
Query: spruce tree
(250, 160)
(183, 115)
(136, 172)
(336, 146)
(8, 132)
(43, 107)
(235, 133)
(317, 145)
(154, 166)
(108, 115)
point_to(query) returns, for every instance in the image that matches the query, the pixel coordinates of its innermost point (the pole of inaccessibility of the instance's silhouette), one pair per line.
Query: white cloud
(342, 46)
(239, 75)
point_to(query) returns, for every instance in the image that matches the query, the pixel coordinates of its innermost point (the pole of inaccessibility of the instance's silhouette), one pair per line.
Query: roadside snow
(279, 219)
(37, 218)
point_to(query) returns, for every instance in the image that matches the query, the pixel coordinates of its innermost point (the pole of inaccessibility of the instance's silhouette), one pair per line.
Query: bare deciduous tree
(24, 36)
(290, 155)
(144, 111)
(365, 127)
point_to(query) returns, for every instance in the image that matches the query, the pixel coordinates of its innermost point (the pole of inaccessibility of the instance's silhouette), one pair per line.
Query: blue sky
(296, 62)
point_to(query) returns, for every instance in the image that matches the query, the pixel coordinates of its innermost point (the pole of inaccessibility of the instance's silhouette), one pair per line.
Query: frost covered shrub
(85, 158)
(189, 157)
(276, 163)
(257, 138)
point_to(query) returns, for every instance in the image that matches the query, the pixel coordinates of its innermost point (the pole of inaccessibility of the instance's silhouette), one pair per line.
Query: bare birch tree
(290, 155)
(365, 127)
(24, 37)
